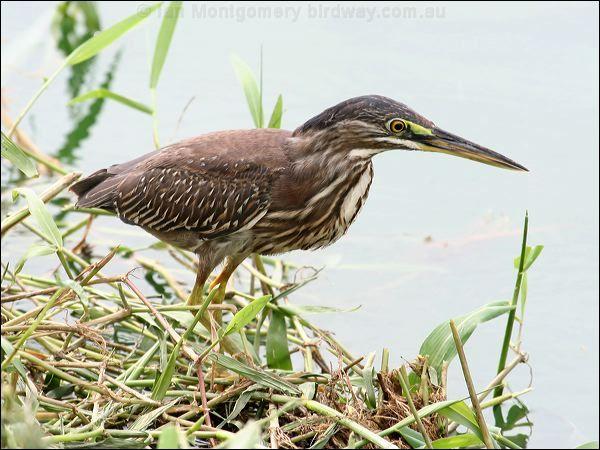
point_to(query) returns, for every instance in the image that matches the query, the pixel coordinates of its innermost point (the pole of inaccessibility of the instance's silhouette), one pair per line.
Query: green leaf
(143, 421)
(592, 444)
(523, 297)
(278, 353)
(100, 41)
(275, 121)
(42, 216)
(105, 93)
(515, 414)
(246, 315)
(368, 375)
(250, 436)
(537, 250)
(171, 437)
(250, 87)
(459, 441)
(36, 249)
(163, 41)
(262, 377)
(300, 310)
(439, 345)
(413, 437)
(7, 349)
(161, 386)
(242, 401)
(460, 413)
(531, 254)
(18, 157)
(325, 438)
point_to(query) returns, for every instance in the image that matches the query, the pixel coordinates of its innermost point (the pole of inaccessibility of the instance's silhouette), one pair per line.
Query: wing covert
(210, 202)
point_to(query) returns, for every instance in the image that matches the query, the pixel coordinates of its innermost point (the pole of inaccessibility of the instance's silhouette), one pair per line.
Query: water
(438, 235)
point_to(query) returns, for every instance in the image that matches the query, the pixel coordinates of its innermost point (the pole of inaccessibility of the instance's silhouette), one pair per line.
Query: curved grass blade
(163, 42)
(246, 315)
(459, 441)
(87, 50)
(36, 249)
(278, 353)
(105, 93)
(18, 157)
(275, 121)
(42, 216)
(250, 87)
(439, 345)
(460, 413)
(101, 40)
(82, 126)
(171, 437)
(265, 379)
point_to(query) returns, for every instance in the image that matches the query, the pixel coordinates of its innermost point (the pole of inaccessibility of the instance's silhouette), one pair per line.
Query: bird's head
(367, 125)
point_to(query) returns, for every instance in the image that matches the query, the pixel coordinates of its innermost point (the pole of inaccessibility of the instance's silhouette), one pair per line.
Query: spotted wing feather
(211, 203)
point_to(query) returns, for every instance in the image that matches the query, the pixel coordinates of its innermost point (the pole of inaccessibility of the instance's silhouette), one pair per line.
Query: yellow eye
(397, 125)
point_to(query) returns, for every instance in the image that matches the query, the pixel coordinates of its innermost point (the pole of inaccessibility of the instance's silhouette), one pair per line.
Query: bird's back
(216, 154)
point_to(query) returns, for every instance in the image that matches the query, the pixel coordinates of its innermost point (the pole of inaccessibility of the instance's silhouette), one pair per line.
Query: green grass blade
(265, 379)
(143, 421)
(164, 380)
(532, 256)
(100, 41)
(592, 444)
(275, 121)
(36, 249)
(499, 420)
(368, 376)
(85, 51)
(245, 315)
(439, 345)
(463, 415)
(171, 437)
(42, 216)
(278, 353)
(18, 157)
(105, 93)
(459, 441)
(250, 436)
(163, 42)
(250, 87)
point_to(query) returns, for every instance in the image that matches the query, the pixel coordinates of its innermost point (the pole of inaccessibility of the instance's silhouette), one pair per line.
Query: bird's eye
(397, 125)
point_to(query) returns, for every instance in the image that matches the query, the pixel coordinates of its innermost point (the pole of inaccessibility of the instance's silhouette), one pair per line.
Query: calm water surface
(438, 235)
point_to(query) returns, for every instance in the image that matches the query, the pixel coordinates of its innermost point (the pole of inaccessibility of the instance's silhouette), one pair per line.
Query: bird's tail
(98, 190)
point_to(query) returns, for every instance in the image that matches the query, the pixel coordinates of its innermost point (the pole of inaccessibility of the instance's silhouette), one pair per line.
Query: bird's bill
(441, 141)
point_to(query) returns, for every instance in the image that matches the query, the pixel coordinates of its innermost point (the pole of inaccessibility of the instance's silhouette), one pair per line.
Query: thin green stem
(37, 95)
(511, 321)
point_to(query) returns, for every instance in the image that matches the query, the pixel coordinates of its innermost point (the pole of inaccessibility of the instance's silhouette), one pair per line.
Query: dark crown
(367, 108)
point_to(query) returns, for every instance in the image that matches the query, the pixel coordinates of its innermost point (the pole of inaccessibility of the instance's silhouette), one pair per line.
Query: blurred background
(438, 236)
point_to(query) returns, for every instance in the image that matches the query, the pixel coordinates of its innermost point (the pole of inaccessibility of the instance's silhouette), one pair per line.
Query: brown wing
(211, 203)
(213, 184)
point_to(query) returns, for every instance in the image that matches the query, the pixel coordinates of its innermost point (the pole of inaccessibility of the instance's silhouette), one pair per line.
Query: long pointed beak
(443, 142)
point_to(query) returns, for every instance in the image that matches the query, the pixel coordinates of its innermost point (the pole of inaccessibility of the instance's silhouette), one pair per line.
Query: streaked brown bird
(228, 194)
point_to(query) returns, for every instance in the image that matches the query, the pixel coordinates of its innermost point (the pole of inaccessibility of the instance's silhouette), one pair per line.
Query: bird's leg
(197, 297)
(202, 274)
(231, 263)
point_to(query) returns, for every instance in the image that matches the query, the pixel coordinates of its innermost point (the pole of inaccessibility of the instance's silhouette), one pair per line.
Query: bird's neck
(326, 156)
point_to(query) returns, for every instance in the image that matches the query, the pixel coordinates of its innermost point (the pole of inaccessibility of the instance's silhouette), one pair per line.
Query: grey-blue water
(438, 235)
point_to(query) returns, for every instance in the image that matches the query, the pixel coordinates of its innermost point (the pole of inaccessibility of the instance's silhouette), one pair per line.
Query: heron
(226, 195)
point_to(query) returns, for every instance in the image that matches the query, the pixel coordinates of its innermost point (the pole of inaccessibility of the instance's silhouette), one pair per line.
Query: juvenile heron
(228, 194)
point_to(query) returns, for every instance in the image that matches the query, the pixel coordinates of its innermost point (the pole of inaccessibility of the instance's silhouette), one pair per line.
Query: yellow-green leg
(209, 321)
